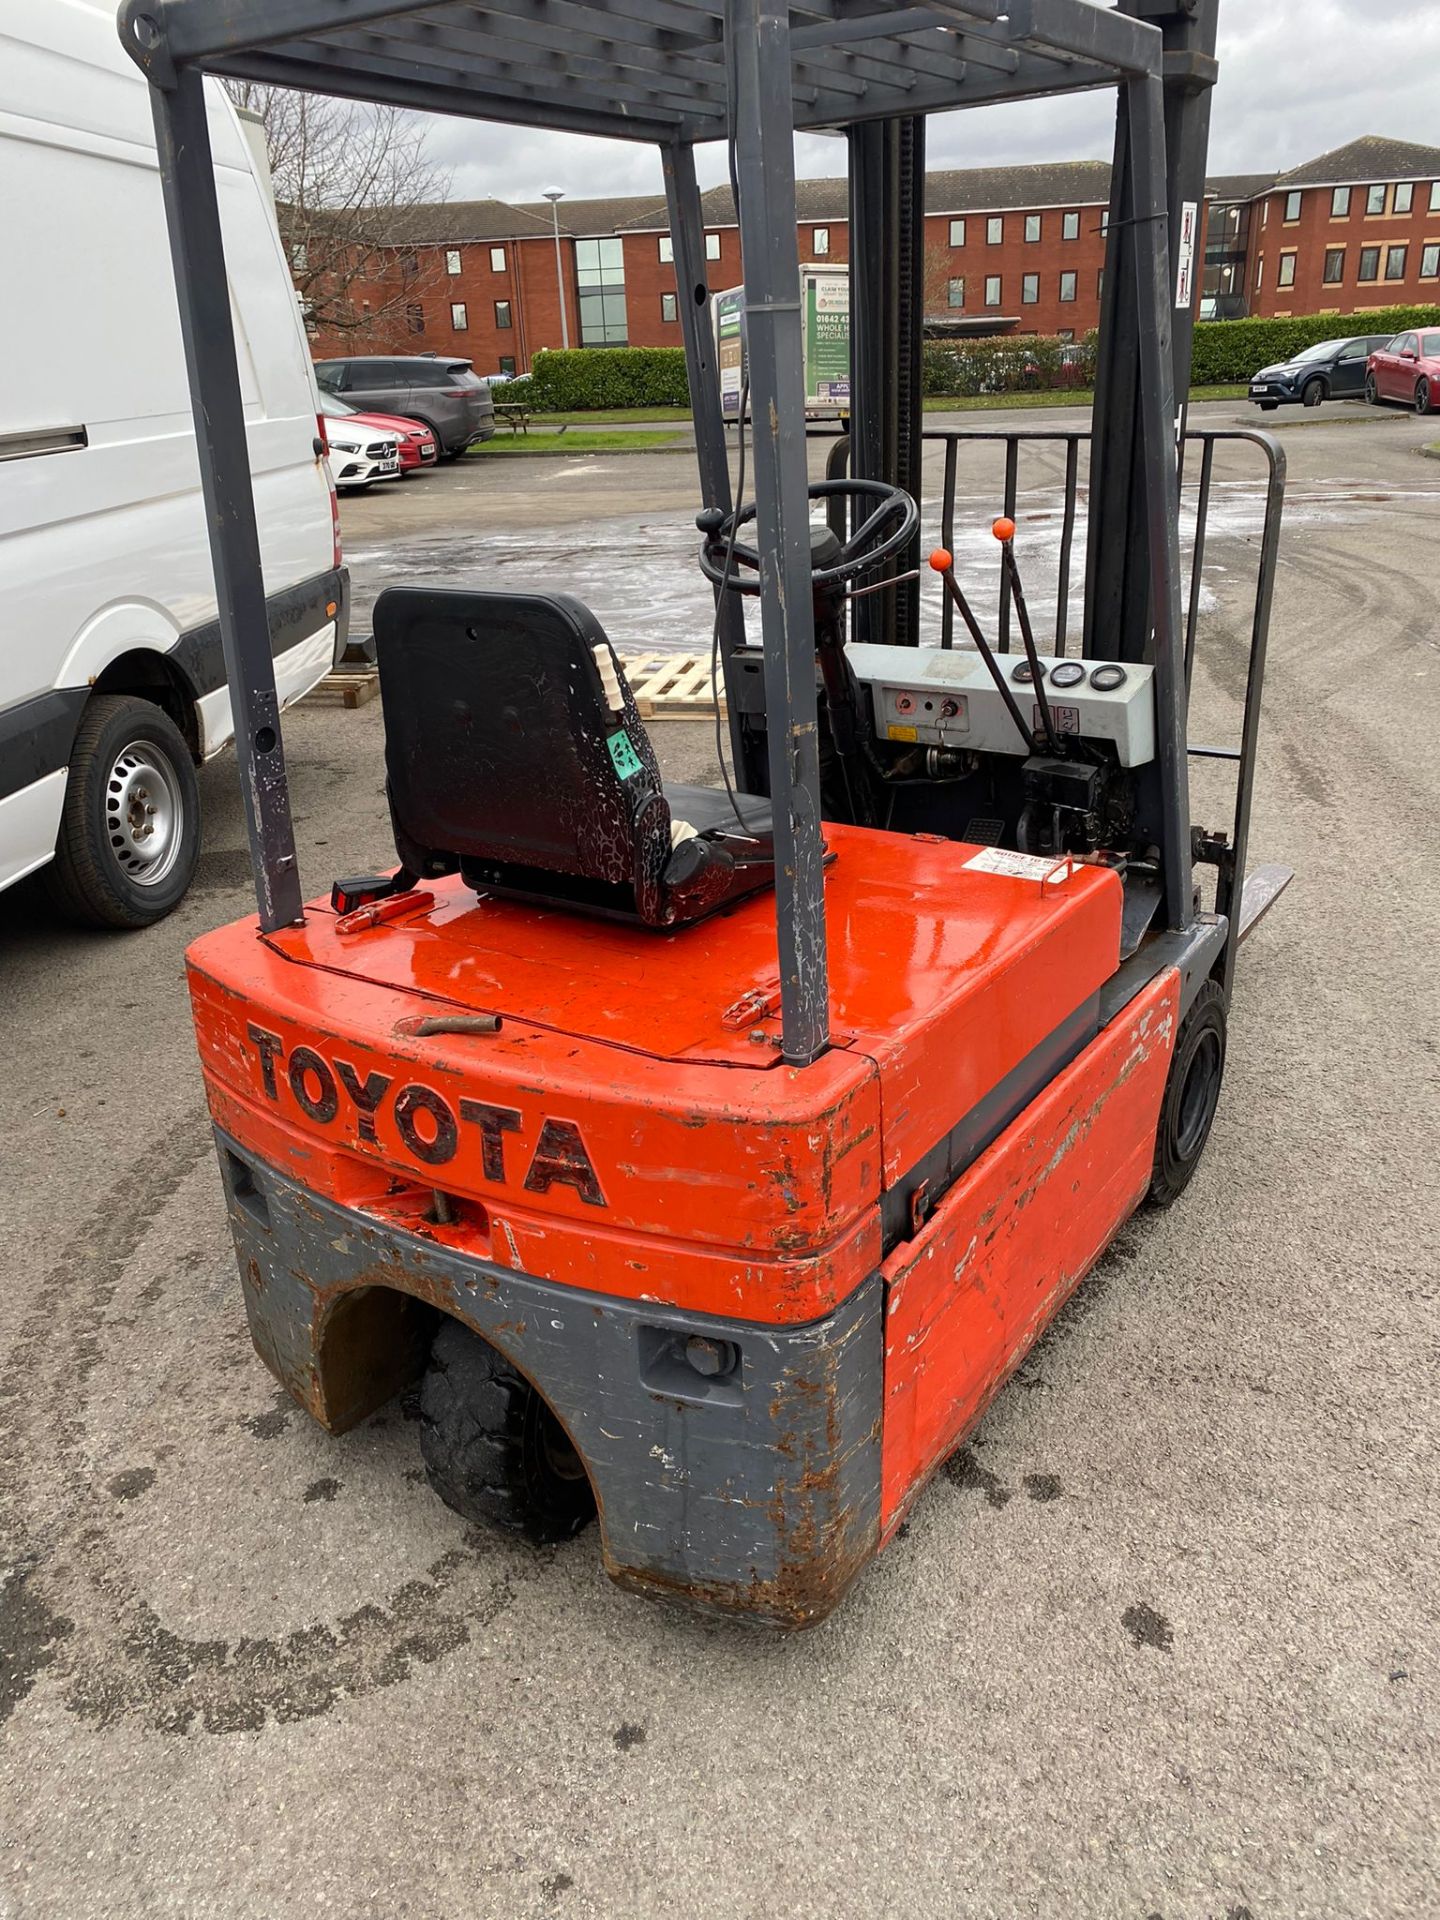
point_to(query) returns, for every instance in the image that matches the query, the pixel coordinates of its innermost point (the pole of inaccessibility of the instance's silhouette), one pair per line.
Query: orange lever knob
(1004, 530)
(942, 560)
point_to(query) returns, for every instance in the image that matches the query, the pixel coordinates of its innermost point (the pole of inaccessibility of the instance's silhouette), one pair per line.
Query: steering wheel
(868, 546)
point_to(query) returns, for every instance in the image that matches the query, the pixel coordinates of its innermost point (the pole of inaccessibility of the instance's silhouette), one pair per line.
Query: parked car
(361, 454)
(417, 443)
(1406, 369)
(112, 676)
(1330, 370)
(448, 396)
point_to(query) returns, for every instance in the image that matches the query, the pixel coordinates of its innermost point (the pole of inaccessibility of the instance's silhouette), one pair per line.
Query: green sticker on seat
(627, 761)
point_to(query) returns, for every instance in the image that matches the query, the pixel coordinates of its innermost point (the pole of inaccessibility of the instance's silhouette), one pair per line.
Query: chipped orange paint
(1015, 1236)
(724, 1181)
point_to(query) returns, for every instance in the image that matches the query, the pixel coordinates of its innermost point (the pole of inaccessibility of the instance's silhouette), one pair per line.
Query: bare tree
(349, 179)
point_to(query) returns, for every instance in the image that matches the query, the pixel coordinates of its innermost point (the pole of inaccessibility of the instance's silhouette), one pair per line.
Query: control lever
(1004, 532)
(942, 562)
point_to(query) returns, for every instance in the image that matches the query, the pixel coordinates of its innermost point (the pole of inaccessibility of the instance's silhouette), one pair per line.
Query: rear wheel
(1424, 399)
(1312, 393)
(130, 831)
(1192, 1093)
(1372, 392)
(492, 1448)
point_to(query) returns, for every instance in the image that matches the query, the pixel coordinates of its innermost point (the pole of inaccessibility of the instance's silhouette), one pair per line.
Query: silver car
(447, 395)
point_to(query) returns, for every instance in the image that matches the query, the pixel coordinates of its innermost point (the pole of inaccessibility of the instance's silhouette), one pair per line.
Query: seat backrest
(513, 742)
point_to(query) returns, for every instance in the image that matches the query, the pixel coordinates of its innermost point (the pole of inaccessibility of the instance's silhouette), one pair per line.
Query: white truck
(825, 311)
(112, 682)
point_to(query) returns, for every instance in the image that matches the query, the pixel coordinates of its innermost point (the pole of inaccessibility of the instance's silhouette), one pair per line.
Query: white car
(112, 675)
(359, 455)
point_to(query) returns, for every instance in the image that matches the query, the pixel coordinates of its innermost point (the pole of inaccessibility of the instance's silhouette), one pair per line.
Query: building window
(415, 317)
(1369, 263)
(1105, 220)
(497, 259)
(1339, 202)
(452, 261)
(1286, 275)
(1067, 288)
(1069, 226)
(992, 290)
(1066, 334)
(1030, 289)
(668, 310)
(957, 233)
(459, 318)
(821, 241)
(1375, 199)
(300, 257)
(409, 265)
(1100, 284)
(1265, 214)
(600, 292)
(1404, 198)
(667, 250)
(1334, 266)
(1435, 196)
(502, 314)
(1032, 226)
(507, 363)
(955, 293)
(1395, 258)
(1260, 272)
(995, 229)
(712, 246)
(1292, 205)
(1430, 260)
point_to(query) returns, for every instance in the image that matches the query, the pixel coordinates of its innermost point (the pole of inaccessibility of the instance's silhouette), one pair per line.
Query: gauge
(1069, 673)
(1022, 672)
(1107, 678)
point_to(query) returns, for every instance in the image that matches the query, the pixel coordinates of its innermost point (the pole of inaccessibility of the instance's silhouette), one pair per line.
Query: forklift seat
(514, 752)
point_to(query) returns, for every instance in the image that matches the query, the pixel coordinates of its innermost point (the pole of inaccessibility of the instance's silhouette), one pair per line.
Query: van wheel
(130, 832)
(493, 1450)
(1192, 1092)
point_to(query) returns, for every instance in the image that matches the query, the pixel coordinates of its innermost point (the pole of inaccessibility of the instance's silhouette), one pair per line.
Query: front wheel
(1192, 1093)
(1313, 393)
(1424, 399)
(130, 830)
(1372, 392)
(493, 1450)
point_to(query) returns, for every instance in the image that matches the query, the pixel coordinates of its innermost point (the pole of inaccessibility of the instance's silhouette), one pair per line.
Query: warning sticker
(1019, 866)
(627, 761)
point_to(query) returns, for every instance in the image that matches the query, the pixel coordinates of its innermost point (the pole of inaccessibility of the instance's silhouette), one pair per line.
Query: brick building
(1017, 250)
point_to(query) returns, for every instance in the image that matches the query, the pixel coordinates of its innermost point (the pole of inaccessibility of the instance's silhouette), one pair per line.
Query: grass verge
(534, 442)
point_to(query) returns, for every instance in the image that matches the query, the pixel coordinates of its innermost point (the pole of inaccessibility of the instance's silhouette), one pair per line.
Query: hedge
(1008, 365)
(1228, 352)
(587, 378)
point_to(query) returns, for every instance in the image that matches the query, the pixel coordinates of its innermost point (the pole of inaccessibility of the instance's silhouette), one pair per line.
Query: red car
(417, 442)
(1408, 370)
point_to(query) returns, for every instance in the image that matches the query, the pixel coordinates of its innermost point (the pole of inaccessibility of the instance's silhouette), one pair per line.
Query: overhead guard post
(758, 60)
(193, 216)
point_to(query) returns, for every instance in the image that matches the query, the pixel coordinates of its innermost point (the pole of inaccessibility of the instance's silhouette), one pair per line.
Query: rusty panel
(1015, 1236)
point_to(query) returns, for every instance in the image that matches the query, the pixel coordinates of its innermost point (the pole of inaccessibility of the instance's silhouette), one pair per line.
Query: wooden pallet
(672, 686)
(346, 687)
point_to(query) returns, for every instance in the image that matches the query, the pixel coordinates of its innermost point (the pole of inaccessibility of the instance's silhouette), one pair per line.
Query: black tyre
(1372, 392)
(1424, 398)
(1312, 393)
(1192, 1093)
(130, 832)
(492, 1448)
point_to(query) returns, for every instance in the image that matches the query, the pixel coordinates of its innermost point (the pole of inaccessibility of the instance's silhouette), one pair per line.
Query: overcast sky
(1297, 77)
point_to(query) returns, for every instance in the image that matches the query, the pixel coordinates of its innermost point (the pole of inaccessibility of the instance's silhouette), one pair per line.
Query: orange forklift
(711, 1157)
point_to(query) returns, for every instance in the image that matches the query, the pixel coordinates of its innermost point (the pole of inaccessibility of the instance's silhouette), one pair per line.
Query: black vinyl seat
(515, 754)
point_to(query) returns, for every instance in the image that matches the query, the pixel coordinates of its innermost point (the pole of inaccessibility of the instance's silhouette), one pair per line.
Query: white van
(112, 684)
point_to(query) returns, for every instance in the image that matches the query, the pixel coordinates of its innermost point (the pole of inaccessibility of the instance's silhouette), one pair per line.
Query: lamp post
(555, 195)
